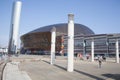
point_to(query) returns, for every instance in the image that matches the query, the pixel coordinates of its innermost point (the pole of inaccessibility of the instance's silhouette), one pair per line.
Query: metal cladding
(43, 35)
(62, 28)
(13, 40)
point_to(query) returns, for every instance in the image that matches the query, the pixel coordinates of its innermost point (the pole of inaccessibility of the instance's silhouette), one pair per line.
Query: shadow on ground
(60, 67)
(46, 61)
(89, 75)
(112, 76)
(81, 72)
(55, 65)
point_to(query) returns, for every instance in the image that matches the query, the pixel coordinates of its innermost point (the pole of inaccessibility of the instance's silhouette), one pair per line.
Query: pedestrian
(100, 61)
(104, 58)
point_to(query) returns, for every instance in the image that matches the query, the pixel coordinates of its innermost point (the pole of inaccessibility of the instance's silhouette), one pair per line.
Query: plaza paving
(39, 68)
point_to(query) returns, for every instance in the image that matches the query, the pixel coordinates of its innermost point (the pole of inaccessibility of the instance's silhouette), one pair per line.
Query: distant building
(3, 50)
(39, 41)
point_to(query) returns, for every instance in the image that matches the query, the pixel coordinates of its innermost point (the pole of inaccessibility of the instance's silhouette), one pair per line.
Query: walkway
(12, 72)
(39, 68)
(84, 70)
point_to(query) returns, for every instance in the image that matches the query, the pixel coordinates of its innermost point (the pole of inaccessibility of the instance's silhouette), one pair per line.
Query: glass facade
(103, 45)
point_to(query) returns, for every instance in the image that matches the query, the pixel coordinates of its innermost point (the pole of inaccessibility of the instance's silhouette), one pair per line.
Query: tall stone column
(14, 30)
(92, 50)
(70, 43)
(53, 40)
(117, 51)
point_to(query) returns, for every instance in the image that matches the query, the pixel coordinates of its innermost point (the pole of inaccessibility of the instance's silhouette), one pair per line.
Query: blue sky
(102, 16)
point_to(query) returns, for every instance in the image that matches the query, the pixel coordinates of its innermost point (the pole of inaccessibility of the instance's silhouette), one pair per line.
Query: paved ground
(2, 64)
(38, 68)
(12, 72)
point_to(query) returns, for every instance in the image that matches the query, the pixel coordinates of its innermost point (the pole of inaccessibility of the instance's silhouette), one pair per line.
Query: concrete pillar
(92, 50)
(84, 48)
(53, 40)
(107, 43)
(14, 30)
(70, 42)
(117, 51)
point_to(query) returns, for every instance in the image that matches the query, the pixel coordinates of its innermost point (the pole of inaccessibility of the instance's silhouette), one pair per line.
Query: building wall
(40, 41)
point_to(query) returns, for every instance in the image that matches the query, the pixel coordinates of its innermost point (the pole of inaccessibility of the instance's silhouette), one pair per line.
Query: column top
(70, 17)
(18, 2)
(70, 14)
(53, 29)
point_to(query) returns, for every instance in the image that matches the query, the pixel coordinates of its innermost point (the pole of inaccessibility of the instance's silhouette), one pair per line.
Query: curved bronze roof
(62, 28)
(41, 37)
